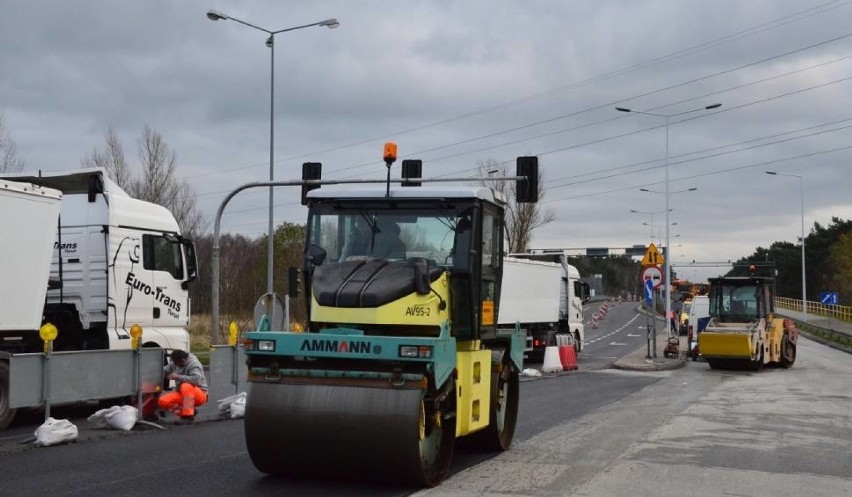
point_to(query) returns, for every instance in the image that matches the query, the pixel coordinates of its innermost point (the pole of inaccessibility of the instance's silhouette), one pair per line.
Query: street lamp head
(216, 16)
(773, 173)
(330, 23)
(644, 190)
(712, 106)
(692, 189)
(622, 109)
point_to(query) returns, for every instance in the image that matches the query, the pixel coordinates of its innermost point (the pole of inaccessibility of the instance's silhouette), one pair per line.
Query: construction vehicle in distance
(743, 331)
(402, 353)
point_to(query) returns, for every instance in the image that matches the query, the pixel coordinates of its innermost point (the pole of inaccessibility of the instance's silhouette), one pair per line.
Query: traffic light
(310, 170)
(411, 168)
(295, 285)
(527, 189)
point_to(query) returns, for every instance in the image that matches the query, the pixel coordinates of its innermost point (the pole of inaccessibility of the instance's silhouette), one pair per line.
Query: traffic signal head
(295, 281)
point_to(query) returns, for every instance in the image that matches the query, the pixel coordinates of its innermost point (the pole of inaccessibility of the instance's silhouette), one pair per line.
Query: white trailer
(572, 294)
(541, 297)
(116, 262)
(32, 213)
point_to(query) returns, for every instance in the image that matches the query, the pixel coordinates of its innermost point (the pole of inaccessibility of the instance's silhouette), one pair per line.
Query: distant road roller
(743, 331)
(402, 354)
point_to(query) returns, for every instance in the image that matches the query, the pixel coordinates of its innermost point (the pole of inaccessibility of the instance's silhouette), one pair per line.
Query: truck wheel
(6, 414)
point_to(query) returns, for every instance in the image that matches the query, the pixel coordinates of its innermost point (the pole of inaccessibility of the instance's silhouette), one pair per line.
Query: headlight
(266, 345)
(415, 351)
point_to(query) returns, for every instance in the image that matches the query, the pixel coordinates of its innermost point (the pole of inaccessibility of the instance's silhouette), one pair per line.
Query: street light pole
(270, 42)
(667, 263)
(650, 215)
(802, 195)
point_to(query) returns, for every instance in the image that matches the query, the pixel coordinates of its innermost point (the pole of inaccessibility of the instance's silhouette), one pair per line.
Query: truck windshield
(443, 237)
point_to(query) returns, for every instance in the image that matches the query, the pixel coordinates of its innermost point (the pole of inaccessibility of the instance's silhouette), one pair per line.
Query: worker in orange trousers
(188, 373)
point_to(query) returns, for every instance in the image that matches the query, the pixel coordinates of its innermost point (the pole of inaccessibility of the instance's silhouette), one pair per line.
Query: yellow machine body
(423, 311)
(473, 387)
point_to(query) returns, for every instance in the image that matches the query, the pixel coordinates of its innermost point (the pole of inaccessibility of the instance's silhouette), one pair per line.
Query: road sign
(653, 257)
(829, 298)
(653, 274)
(648, 291)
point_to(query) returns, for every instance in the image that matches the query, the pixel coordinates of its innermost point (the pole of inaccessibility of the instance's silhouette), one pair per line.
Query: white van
(699, 314)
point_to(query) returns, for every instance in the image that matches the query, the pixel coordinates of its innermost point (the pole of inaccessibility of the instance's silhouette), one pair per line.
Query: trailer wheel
(6, 414)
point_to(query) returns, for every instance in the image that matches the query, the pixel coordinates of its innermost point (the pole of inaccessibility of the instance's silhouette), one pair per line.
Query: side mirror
(315, 255)
(421, 277)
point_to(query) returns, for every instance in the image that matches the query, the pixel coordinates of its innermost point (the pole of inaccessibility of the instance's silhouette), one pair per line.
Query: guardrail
(829, 324)
(839, 312)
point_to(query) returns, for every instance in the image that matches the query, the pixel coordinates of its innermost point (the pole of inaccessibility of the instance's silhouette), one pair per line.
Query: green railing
(839, 312)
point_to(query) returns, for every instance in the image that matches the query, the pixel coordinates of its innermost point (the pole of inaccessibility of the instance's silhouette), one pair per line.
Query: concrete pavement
(638, 359)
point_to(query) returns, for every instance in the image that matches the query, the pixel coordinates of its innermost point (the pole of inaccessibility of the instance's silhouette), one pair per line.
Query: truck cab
(117, 261)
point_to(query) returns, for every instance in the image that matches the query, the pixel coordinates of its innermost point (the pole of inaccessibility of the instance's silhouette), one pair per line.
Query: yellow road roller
(402, 354)
(743, 331)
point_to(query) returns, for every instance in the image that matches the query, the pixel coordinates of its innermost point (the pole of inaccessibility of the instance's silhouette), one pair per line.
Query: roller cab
(401, 354)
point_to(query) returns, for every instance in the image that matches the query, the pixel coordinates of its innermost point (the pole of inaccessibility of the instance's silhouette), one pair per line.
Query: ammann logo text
(313, 345)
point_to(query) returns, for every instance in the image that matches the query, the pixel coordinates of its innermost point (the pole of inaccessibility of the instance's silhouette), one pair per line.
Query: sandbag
(233, 406)
(55, 431)
(115, 417)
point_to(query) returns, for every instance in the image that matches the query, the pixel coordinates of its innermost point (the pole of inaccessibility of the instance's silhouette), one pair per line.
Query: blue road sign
(649, 291)
(828, 298)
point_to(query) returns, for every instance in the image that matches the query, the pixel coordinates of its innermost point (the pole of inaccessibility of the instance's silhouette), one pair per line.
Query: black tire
(503, 412)
(788, 352)
(6, 414)
(758, 364)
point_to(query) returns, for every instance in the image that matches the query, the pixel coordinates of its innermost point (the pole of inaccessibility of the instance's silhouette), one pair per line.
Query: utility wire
(778, 22)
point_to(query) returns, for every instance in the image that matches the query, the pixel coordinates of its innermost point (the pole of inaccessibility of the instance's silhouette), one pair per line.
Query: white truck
(544, 294)
(116, 261)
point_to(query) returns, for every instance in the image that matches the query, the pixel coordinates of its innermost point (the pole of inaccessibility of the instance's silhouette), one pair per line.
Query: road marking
(632, 335)
(617, 343)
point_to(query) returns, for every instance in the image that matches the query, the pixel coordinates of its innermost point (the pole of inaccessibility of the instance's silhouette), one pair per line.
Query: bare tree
(159, 184)
(112, 159)
(9, 161)
(521, 218)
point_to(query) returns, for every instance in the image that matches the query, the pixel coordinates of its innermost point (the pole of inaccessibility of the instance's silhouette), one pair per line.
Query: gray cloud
(456, 83)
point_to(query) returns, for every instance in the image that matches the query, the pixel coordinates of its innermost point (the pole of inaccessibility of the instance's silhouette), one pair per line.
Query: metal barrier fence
(839, 312)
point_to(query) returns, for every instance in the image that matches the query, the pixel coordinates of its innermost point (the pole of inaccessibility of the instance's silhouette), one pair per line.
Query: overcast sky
(458, 83)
